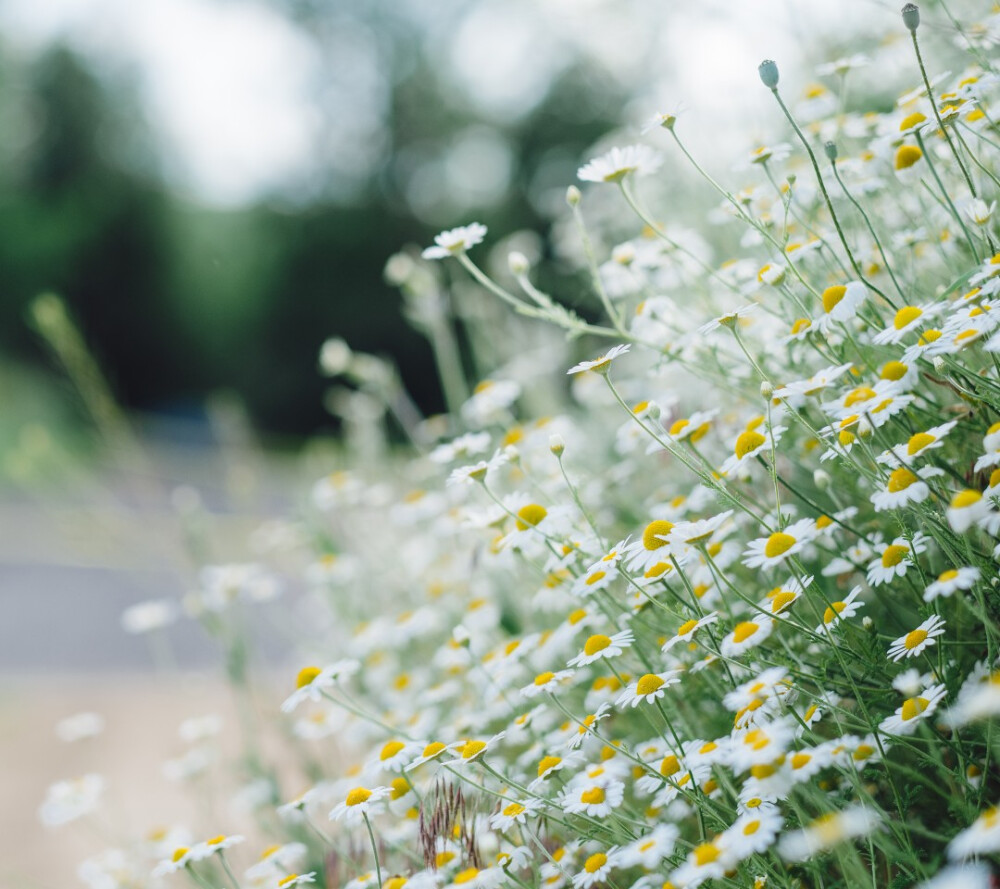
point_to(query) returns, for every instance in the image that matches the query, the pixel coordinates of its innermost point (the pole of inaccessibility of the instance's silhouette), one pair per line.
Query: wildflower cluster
(729, 612)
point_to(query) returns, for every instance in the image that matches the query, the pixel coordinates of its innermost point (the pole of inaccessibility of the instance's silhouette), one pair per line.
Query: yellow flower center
(432, 749)
(179, 853)
(654, 531)
(893, 370)
(914, 638)
(800, 325)
(781, 600)
(900, 479)
(832, 296)
(306, 676)
(595, 577)
(950, 574)
(513, 810)
(472, 748)
(748, 441)
(744, 631)
(894, 554)
(400, 788)
(592, 797)
(778, 544)
(530, 515)
(596, 861)
(911, 120)
(965, 498)
(286, 880)
(215, 841)
(830, 615)
(918, 442)
(750, 828)
(801, 760)
(358, 796)
(466, 876)
(547, 763)
(906, 315)
(648, 684)
(543, 678)
(390, 750)
(704, 854)
(596, 643)
(913, 707)
(862, 752)
(907, 156)
(687, 627)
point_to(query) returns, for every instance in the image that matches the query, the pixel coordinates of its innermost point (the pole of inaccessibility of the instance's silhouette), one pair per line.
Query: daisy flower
(296, 880)
(359, 803)
(68, 800)
(904, 721)
(966, 509)
(815, 384)
(968, 875)
(827, 831)
(748, 445)
(746, 635)
(619, 162)
(312, 682)
(906, 319)
(982, 837)
(841, 303)
(455, 241)
(918, 444)
(916, 641)
(649, 850)
(895, 558)
(706, 861)
(752, 833)
(648, 688)
(431, 752)
(685, 632)
(545, 682)
(595, 800)
(904, 486)
(766, 552)
(473, 749)
(599, 645)
(602, 363)
(839, 611)
(951, 581)
(596, 869)
(515, 812)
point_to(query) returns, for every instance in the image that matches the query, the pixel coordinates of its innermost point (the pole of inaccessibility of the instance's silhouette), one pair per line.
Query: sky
(226, 84)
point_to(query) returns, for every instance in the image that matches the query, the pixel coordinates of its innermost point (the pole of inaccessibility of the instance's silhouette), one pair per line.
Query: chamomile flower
(514, 812)
(951, 581)
(649, 850)
(751, 443)
(596, 800)
(746, 635)
(841, 610)
(966, 509)
(545, 682)
(455, 241)
(919, 444)
(648, 688)
(828, 831)
(982, 837)
(685, 632)
(602, 363)
(767, 552)
(600, 646)
(706, 861)
(921, 706)
(596, 869)
(917, 641)
(313, 682)
(903, 487)
(895, 558)
(619, 163)
(359, 803)
(66, 801)
(292, 880)
(752, 833)
(907, 319)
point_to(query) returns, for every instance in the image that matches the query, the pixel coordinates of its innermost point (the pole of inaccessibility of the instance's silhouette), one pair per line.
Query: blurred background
(212, 188)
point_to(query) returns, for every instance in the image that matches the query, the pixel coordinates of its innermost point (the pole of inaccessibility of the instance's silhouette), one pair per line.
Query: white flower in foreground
(595, 800)
(600, 364)
(827, 831)
(596, 869)
(68, 800)
(515, 812)
(966, 508)
(766, 552)
(916, 641)
(358, 803)
(599, 646)
(982, 837)
(619, 162)
(951, 581)
(455, 241)
(837, 611)
(296, 880)
(648, 688)
(979, 211)
(906, 718)
(973, 875)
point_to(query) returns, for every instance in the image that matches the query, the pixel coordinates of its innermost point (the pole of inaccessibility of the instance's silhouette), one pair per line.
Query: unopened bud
(518, 263)
(766, 389)
(557, 445)
(939, 364)
(512, 454)
(573, 196)
(865, 428)
(867, 623)
(653, 411)
(821, 478)
(911, 16)
(830, 148)
(768, 71)
(791, 178)
(461, 636)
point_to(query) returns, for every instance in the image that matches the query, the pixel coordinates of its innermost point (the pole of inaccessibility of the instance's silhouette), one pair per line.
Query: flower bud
(821, 478)
(830, 149)
(512, 454)
(461, 636)
(865, 428)
(768, 71)
(867, 623)
(518, 263)
(653, 411)
(766, 389)
(939, 364)
(911, 16)
(557, 445)
(573, 196)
